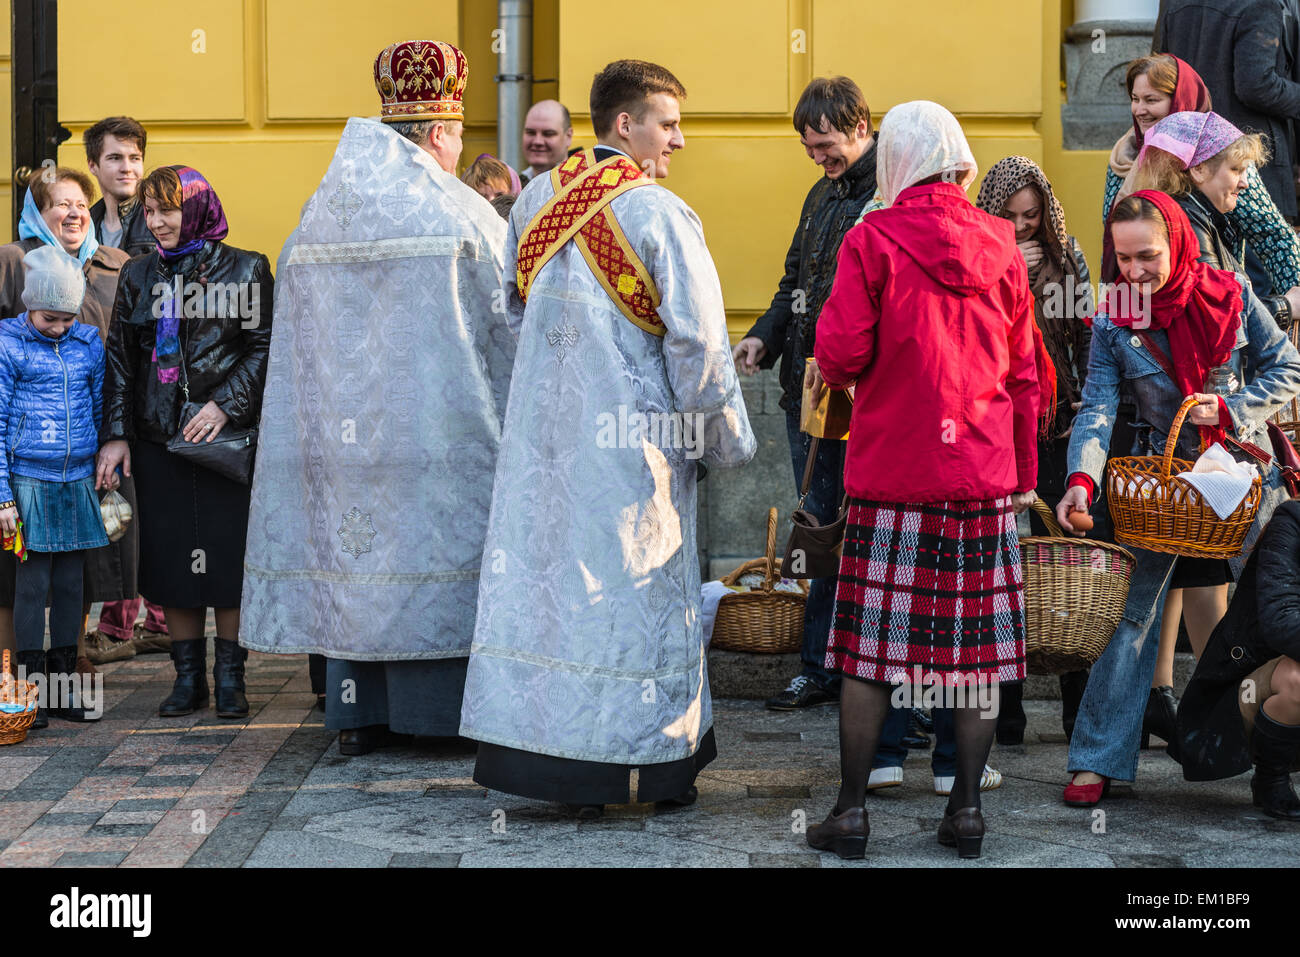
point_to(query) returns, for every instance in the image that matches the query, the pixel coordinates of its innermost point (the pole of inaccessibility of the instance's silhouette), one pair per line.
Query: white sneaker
(885, 778)
(990, 780)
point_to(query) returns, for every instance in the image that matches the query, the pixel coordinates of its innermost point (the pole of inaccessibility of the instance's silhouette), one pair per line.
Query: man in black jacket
(834, 124)
(1238, 48)
(115, 154)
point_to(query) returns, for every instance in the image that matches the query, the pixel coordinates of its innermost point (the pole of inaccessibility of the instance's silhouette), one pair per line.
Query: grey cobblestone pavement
(139, 790)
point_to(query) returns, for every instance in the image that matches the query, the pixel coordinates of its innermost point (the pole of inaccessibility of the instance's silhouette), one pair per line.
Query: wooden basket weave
(766, 620)
(13, 727)
(1075, 592)
(1155, 511)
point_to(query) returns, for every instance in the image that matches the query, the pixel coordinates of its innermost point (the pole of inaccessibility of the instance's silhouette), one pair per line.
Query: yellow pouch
(829, 419)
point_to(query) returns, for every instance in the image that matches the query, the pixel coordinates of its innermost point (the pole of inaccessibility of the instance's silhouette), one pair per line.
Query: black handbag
(230, 454)
(814, 549)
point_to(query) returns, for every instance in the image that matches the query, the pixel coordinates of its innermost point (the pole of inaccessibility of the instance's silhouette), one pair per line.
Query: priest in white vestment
(588, 660)
(382, 417)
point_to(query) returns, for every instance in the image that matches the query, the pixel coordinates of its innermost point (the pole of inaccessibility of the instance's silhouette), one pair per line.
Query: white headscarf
(918, 140)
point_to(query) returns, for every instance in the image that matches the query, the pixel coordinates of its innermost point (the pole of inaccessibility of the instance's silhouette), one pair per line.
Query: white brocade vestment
(587, 643)
(381, 420)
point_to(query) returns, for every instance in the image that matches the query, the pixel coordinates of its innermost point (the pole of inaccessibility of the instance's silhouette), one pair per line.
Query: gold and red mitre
(421, 80)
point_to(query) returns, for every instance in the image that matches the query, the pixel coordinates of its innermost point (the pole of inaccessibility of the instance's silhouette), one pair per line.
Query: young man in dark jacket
(1239, 48)
(834, 124)
(115, 154)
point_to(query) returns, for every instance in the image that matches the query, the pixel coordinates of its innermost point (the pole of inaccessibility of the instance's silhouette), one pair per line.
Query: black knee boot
(190, 692)
(1073, 684)
(1274, 748)
(66, 700)
(31, 664)
(228, 678)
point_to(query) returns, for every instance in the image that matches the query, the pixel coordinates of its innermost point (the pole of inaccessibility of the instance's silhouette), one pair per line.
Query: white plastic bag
(116, 513)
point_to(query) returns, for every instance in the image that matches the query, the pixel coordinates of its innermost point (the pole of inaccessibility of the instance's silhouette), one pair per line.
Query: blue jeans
(890, 752)
(1108, 729)
(825, 494)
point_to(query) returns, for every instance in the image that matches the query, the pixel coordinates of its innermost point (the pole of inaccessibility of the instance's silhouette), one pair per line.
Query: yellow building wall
(254, 94)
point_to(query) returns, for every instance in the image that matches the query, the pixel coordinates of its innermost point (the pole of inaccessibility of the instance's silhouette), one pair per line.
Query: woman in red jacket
(932, 319)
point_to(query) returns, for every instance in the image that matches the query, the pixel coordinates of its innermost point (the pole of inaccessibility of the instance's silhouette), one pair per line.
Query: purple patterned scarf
(202, 220)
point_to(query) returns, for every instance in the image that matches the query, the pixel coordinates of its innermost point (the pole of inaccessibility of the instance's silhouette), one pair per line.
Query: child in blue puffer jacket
(51, 395)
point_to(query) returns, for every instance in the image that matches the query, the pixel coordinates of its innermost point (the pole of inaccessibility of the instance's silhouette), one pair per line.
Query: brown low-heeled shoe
(964, 830)
(845, 833)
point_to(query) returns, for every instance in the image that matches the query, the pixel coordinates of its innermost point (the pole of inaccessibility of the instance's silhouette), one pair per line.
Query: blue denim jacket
(1265, 362)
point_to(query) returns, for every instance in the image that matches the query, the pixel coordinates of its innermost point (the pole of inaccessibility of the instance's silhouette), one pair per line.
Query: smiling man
(834, 125)
(548, 134)
(588, 659)
(115, 155)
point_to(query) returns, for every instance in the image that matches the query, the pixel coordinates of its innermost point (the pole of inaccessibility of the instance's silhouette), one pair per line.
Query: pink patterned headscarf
(1192, 137)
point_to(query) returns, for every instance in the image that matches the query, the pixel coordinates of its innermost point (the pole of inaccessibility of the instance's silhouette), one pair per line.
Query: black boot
(64, 692)
(31, 664)
(1274, 748)
(1073, 684)
(1011, 715)
(1161, 717)
(190, 692)
(228, 678)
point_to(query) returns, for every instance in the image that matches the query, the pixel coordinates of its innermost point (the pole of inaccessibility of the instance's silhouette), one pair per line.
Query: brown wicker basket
(13, 727)
(1075, 590)
(1155, 511)
(765, 621)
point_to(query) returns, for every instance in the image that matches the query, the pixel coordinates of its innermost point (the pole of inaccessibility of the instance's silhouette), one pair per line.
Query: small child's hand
(8, 520)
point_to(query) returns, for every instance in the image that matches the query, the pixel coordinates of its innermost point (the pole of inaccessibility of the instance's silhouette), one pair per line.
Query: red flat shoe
(1086, 795)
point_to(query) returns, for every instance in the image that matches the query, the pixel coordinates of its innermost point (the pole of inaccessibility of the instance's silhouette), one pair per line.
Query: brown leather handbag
(813, 550)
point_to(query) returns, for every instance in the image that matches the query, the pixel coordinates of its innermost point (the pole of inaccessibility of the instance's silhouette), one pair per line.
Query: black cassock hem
(545, 777)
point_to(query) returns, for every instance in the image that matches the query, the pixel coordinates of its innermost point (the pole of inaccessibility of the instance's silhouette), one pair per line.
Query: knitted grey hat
(54, 281)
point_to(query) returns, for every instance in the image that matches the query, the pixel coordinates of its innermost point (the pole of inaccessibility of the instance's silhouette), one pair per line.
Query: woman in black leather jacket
(192, 321)
(1202, 161)
(1242, 705)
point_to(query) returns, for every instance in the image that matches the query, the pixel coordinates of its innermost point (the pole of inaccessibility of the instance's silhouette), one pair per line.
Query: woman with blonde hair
(1158, 86)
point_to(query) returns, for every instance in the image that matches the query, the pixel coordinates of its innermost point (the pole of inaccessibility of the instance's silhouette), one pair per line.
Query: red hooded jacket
(932, 317)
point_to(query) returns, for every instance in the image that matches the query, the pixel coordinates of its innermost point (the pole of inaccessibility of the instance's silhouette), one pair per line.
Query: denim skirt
(59, 516)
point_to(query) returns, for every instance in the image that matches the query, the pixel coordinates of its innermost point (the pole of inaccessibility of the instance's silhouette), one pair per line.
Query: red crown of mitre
(421, 80)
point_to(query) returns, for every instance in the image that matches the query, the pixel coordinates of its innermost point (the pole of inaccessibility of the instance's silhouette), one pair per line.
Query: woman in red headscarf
(1157, 86)
(1171, 325)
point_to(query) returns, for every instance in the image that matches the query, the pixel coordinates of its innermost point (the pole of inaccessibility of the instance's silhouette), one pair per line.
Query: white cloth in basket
(1222, 481)
(710, 594)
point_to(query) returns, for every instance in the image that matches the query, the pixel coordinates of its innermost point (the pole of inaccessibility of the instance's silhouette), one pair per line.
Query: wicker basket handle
(1171, 443)
(771, 549)
(1049, 519)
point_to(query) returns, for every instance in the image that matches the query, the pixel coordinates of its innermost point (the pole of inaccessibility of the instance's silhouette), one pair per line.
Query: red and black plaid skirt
(934, 585)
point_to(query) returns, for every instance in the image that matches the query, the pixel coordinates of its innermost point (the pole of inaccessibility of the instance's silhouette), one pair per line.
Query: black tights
(59, 575)
(864, 706)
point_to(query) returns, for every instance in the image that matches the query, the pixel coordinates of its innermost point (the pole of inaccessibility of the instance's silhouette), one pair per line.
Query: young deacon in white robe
(382, 415)
(588, 659)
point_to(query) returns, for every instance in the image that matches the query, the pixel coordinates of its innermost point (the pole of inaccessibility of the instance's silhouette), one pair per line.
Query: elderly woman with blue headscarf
(56, 212)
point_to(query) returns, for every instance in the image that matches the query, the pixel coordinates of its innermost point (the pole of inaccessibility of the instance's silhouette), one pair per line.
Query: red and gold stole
(580, 211)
